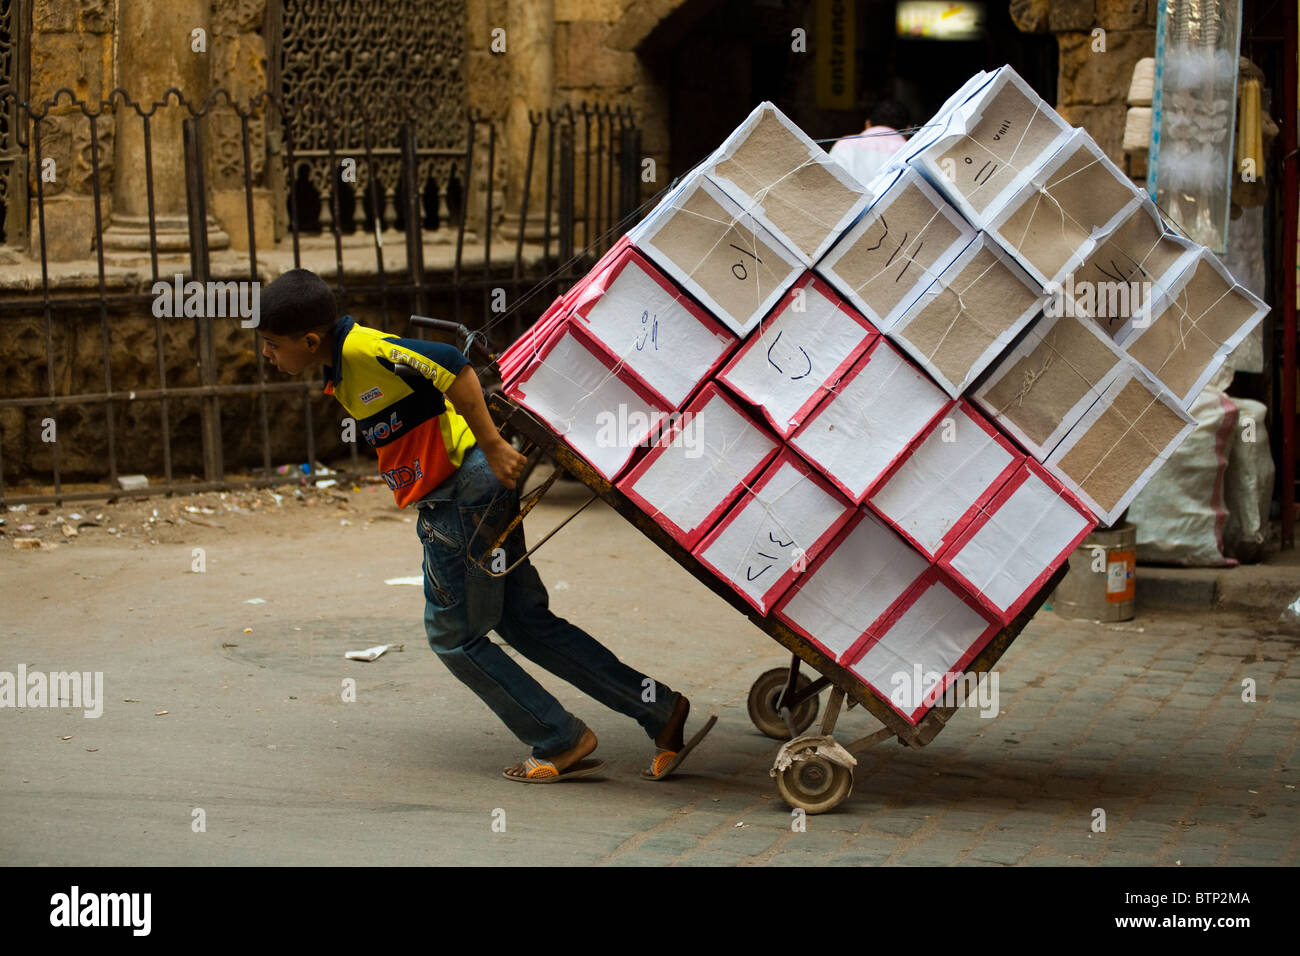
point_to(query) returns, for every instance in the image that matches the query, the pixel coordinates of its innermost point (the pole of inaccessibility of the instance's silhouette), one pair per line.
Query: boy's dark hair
(296, 303)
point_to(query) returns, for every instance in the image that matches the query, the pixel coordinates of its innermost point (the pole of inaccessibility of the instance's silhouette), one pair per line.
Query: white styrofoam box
(940, 484)
(720, 254)
(896, 248)
(651, 326)
(693, 474)
(1128, 269)
(1040, 389)
(1120, 443)
(1052, 222)
(865, 423)
(851, 585)
(969, 315)
(935, 127)
(1203, 315)
(779, 525)
(787, 182)
(804, 347)
(989, 143)
(1006, 554)
(523, 351)
(925, 643)
(574, 387)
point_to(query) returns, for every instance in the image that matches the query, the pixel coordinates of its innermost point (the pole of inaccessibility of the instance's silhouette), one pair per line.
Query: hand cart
(813, 772)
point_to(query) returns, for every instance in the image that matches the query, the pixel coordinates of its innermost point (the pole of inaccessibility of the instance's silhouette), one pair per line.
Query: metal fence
(209, 416)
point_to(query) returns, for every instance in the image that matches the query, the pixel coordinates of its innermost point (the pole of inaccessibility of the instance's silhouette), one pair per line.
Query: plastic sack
(1181, 513)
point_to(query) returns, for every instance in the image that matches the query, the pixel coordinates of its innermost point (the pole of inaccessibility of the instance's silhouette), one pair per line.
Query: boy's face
(291, 354)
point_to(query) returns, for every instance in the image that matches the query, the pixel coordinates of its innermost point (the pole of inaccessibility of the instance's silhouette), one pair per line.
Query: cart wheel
(763, 696)
(814, 784)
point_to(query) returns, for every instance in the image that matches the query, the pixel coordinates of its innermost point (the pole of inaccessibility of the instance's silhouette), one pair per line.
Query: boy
(420, 406)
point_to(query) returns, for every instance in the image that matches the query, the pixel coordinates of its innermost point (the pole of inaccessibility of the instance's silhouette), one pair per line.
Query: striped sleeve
(435, 361)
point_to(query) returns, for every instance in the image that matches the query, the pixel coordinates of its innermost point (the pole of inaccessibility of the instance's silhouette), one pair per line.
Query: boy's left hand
(506, 463)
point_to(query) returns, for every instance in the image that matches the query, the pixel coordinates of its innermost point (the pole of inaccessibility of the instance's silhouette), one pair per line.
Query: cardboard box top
(1120, 443)
(897, 247)
(969, 315)
(701, 238)
(1040, 389)
(1053, 220)
(990, 142)
(790, 184)
(1196, 324)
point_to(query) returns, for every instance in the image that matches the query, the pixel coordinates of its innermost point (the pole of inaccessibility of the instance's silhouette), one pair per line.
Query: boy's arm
(466, 394)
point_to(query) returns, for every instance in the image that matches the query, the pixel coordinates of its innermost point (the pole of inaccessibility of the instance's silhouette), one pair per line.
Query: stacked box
(936, 629)
(785, 368)
(942, 482)
(650, 327)
(1119, 443)
(712, 453)
(719, 253)
(776, 528)
(988, 143)
(1195, 325)
(787, 182)
(601, 412)
(851, 585)
(969, 315)
(1053, 221)
(1042, 387)
(897, 248)
(1016, 541)
(863, 425)
(817, 468)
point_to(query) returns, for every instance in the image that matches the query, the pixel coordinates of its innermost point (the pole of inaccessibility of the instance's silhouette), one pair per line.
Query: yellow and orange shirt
(394, 389)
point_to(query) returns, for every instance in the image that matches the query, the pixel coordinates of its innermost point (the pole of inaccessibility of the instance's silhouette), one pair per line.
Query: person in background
(866, 153)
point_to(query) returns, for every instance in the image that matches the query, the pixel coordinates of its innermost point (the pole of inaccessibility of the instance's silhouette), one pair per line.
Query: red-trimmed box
(863, 425)
(518, 355)
(922, 645)
(779, 525)
(525, 349)
(601, 412)
(651, 326)
(800, 349)
(852, 585)
(686, 493)
(1009, 550)
(932, 491)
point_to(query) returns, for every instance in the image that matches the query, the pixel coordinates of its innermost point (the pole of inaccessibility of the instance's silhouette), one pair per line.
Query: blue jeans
(463, 603)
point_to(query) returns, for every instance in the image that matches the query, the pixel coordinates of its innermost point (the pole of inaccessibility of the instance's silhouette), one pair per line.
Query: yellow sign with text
(833, 51)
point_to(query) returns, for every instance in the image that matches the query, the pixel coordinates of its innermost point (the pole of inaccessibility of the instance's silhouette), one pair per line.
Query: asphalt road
(1143, 720)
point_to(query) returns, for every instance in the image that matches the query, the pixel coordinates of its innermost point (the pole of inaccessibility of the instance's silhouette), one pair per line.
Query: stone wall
(1099, 41)
(71, 48)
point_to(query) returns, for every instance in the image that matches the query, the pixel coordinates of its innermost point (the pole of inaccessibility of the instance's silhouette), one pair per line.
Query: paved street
(1144, 720)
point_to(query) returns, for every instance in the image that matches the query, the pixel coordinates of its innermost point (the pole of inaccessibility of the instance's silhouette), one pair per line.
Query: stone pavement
(1143, 720)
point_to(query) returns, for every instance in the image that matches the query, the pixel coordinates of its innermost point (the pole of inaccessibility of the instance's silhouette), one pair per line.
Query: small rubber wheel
(814, 784)
(763, 696)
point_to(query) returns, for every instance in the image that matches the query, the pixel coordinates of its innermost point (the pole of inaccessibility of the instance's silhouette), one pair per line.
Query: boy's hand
(506, 463)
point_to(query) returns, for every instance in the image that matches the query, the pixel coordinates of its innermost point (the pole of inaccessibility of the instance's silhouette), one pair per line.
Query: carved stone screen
(375, 63)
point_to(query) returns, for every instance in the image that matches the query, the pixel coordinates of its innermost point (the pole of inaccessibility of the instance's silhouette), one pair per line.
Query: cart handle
(471, 341)
(527, 503)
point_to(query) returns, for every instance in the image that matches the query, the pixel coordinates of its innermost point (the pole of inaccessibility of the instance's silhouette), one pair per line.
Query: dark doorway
(720, 58)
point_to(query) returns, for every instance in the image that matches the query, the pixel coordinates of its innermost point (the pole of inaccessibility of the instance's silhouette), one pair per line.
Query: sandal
(543, 771)
(666, 761)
